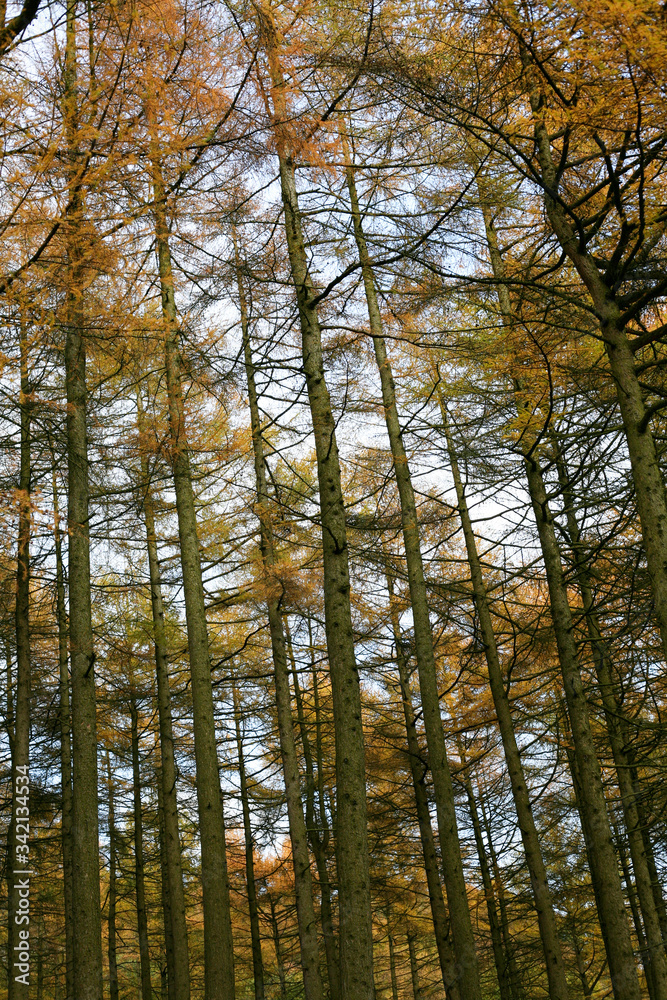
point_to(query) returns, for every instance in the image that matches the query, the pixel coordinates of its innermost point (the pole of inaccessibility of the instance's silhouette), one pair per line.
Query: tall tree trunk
(322, 823)
(616, 730)
(581, 967)
(65, 744)
(355, 922)
(631, 894)
(317, 828)
(218, 944)
(139, 884)
(318, 823)
(414, 968)
(450, 848)
(113, 962)
(167, 970)
(636, 416)
(19, 860)
(86, 906)
(279, 954)
(179, 983)
(418, 770)
(656, 883)
(577, 790)
(251, 885)
(40, 962)
(516, 984)
(604, 865)
(499, 956)
(303, 887)
(392, 958)
(546, 917)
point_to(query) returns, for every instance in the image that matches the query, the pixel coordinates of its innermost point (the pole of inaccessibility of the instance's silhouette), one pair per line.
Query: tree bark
(355, 922)
(615, 728)
(546, 917)
(656, 884)
(317, 827)
(604, 865)
(392, 958)
(86, 906)
(218, 944)
(19, 859)
(279, 955)
(139, 884)
(581, 967)
(11, 29)
(631, 894)
(40, 962)
(303, 887)
(167, 970)
(251, 885)
(518, 991)
(179, 983)
(414, 968)
(499, 956)
(611, 905)
(647, 477)
(65, 744)
(113, 963)
(450, 848)
(418, 771)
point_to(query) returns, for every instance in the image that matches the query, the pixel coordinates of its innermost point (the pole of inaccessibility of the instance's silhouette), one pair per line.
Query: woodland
(333, 520)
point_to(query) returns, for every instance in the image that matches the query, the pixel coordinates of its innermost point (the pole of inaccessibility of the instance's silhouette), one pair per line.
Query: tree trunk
(40, 962)
(19, 860)
(140, 889)
(581, 967)
(218, 945)
(65, 744)
(320, 830)
(414, 968)
(518, 991)
(656, 884)
(251, 885)
(167, 970)
(113, 964)
(646, 474)
(392, 958)
(356, 932)
(546, 917)
(179, 984)
(615, 728)
(279, 955)
(86, 906)
(499, 956)
(298, 837)
(611, 905)
(452, 865)
(418, 770)
(317, 831)
(631, 894)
